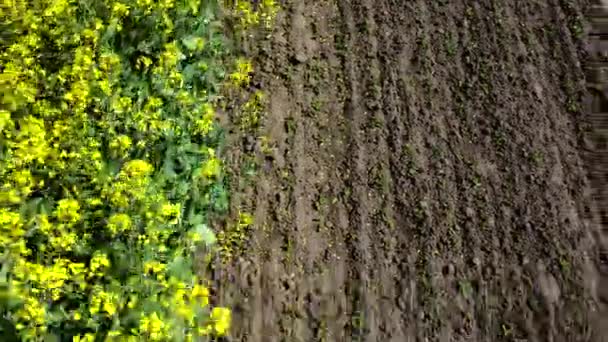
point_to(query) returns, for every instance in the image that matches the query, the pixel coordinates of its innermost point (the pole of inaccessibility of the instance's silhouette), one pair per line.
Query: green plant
(108, 168)
(451, 45)
(251, 112)
(231, 240)
(465, 288)
(537, 158)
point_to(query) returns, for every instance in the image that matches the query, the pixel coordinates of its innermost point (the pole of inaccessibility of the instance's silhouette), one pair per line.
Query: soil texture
(421, 176)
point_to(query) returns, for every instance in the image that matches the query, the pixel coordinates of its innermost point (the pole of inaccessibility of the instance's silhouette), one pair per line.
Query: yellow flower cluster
(11, 233)
(221, 318)
(241, 75)
(249, 16)
(119, 223)
(67, 211)
(105, 135)
(153, 328)
(251, 112)
(233, 237)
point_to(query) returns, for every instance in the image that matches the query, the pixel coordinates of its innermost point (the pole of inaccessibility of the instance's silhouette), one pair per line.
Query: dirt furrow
(398, 290)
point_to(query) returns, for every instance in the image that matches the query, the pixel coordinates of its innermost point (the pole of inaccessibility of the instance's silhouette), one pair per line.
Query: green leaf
(206, 234)
(197, 220)
(192, 43)
(220, 198)
(169, 167)
(179, 267)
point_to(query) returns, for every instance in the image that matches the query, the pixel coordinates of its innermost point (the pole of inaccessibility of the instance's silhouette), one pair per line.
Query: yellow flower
(109, 307)
(105, 86)
(221, 318)
(120, 9)
(240, 77)
(103, 301)
(65, 241)
(245, 220)
(99, 262)
(121, 144)
(67, 210)
(137, 168)
(167, 4)
(94, 202)
(246, 13)
(89, 337)
(153, 104)
(202, 293)
(98, 24)
(121, 104)
(171, 212)
(11, 227)
(11, 196)
(31, 143)
(153, 327)
(205, 330)
(211, 168)
(154, 266)
(23, 179)
(5, 120)
(204, 124)
(119, 223)
(9, 220)
(31, 312)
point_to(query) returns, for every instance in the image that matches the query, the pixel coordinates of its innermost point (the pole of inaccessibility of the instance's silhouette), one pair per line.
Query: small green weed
(451, 45)
(537, 158)
(465, 288)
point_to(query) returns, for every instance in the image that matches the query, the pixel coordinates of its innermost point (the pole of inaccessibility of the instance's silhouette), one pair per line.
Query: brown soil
(595, 143)
(425, 180)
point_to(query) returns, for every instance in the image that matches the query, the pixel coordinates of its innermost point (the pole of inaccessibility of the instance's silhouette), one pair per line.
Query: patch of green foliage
(108, 168)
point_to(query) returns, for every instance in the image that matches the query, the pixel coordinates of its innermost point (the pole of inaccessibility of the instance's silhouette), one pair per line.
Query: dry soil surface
(420, 177)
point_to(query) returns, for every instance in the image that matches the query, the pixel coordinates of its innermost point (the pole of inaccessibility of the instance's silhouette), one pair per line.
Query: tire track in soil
(384, 321)
(358, 212)
(425, 182)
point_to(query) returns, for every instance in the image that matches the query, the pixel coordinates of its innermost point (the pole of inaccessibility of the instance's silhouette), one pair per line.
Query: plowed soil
(423, 179)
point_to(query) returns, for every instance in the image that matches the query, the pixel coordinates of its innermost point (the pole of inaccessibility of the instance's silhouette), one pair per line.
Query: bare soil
(423, 177)
(596, 145)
